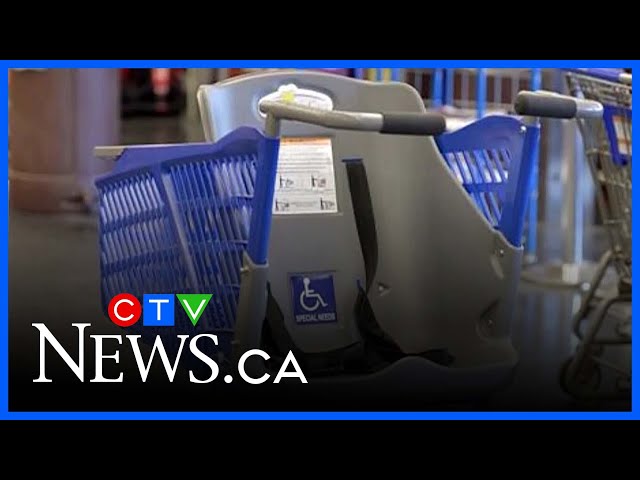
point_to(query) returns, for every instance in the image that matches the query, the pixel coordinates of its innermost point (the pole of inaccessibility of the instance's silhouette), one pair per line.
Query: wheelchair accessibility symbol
(310, 297)
(313, 298)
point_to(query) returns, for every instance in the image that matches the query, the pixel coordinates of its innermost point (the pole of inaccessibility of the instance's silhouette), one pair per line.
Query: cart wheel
(585, 383)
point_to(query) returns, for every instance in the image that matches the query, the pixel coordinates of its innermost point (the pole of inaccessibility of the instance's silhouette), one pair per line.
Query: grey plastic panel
(252, 302)
(447, 278)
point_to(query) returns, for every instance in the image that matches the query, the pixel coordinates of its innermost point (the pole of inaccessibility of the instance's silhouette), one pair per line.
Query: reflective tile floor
(53, 258)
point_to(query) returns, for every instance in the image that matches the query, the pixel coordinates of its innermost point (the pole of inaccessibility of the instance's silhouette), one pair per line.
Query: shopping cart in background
(607, 146)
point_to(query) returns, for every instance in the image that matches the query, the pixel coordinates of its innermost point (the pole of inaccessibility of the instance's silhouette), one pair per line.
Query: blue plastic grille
(138, 249)
(213, 205)
(177, 219)
(484, 175)
(493, 159)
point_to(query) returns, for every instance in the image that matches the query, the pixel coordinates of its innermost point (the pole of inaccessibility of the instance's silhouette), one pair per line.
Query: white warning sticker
(305, 181)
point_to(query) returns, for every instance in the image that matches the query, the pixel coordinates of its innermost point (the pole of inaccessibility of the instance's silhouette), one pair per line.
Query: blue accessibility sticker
(314, 298)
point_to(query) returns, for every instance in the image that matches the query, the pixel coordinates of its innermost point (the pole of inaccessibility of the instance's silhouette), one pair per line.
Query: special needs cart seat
(438, 272)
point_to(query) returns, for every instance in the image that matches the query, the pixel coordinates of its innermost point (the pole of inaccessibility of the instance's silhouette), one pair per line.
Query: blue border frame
(4, 324)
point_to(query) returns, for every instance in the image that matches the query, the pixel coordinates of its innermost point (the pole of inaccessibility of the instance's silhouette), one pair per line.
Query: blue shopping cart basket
(176, 219)
(493, 159)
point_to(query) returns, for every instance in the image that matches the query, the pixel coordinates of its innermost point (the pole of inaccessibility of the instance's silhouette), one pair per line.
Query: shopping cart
(198, 219)
(607, 146)
(436, 211)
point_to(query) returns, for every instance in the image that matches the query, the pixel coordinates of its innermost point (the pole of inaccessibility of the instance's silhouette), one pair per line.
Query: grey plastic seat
(445, 278)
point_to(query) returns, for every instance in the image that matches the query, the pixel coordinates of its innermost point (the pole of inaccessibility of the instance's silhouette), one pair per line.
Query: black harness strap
(378, 345)
(380, 348)
(365, 219)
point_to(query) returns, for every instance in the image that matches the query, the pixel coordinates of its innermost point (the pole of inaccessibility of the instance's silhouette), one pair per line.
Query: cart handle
(553, 105)
(399, 123)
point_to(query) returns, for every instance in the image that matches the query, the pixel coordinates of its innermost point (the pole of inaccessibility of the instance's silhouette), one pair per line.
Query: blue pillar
(359, 73)
(436, 87)
(449, 75)
(536, 79)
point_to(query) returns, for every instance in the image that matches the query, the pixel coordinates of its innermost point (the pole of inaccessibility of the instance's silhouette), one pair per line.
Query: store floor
(53, 266)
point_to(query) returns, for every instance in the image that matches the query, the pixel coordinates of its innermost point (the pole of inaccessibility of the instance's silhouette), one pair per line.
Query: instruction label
(305, 181)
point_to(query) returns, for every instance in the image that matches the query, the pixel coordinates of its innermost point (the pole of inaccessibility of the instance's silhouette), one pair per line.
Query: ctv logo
(159, 308)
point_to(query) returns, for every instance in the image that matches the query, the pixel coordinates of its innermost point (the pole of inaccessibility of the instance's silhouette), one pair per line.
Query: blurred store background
(57, 116)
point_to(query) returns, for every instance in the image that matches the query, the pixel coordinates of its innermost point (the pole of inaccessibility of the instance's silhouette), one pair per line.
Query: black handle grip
(548, 106)
(410, 123)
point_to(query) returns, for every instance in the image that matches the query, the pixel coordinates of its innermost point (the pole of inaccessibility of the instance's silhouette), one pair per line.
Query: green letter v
(194, 304)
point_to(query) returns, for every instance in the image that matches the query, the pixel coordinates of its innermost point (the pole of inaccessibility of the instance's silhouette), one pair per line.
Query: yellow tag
(288, 97)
